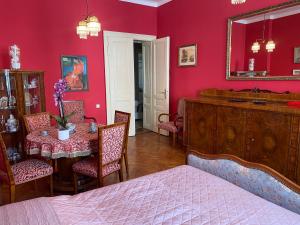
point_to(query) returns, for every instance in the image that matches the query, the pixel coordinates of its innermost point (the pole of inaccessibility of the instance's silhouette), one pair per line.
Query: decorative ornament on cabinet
(14, 52)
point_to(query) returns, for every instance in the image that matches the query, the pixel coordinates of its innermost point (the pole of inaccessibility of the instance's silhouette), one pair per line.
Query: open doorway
(139, 85)
(137, 78)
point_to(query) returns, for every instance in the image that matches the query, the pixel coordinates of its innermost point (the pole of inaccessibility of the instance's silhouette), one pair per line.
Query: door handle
(165, 93)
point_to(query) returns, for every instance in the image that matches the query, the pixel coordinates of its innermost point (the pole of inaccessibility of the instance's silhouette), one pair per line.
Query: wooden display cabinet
(21, 93)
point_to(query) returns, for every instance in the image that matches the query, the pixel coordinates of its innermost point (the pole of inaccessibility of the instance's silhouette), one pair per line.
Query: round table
(81, 143)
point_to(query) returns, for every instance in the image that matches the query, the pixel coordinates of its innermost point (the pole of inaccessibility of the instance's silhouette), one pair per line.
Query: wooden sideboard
(229, 122)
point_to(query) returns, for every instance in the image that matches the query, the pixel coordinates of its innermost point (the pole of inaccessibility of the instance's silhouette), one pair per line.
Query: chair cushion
(169, 126)
(29, 170)
(89, 167)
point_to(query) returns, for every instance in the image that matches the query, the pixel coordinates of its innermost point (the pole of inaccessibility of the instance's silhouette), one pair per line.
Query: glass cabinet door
(8, 102)
(32, 93)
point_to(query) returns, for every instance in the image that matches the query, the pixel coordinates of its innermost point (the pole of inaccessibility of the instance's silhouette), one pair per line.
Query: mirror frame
(229, 40)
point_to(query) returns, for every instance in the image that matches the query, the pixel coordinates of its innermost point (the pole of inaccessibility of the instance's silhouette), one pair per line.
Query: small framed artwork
(74, 71)
(297, 55)
(296, 72)
(187, 55)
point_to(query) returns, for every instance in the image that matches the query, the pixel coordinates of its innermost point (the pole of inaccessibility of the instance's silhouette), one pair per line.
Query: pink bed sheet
(183, 195)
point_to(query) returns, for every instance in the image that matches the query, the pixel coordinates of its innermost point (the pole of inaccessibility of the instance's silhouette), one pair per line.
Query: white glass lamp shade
(270, 46)
(236, 2)
(255, 47)
(93, 26)
(82, 30)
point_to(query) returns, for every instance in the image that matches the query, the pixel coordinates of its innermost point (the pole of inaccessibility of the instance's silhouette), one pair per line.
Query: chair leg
(35, 188)
(75, 179)
(100, 182)
(120, 176)
(12, 192)
(174, 138)
(126, 164)
(159, 131)
(51, 185)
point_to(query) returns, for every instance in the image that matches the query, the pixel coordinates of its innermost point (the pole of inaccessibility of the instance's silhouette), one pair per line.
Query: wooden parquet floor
(148, 153)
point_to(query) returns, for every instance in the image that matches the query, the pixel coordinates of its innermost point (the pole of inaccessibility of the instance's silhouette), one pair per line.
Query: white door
(119, 74)
(161, 65)
(147, 101)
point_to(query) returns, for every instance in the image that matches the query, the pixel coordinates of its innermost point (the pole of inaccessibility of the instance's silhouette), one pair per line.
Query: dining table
(81, 143)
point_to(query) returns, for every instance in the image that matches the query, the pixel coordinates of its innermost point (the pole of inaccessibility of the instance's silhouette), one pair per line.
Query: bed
(208, 191)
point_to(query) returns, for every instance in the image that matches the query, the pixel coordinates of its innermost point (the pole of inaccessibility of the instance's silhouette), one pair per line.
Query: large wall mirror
(265, 44)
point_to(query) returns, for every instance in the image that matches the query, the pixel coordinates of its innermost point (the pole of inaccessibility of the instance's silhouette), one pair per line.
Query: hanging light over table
(89, 26)
(236, 2)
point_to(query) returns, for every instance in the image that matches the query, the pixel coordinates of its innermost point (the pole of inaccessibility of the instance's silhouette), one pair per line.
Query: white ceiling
(272, 15)
(152, 3)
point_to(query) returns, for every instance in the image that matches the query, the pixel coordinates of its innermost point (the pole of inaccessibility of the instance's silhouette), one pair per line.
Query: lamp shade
(93, 26)
(255, 47)
(270, 46)
(235, 2)
(82, 30)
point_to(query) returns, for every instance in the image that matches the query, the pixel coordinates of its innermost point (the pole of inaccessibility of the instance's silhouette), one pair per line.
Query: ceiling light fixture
(237, 2)
(89, 26)
(255, 47)
(270, 46)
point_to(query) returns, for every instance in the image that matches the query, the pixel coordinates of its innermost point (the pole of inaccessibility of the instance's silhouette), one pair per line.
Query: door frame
(106, 36)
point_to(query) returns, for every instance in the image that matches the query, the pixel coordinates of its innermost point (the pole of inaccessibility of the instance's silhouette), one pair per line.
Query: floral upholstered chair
(76, 106)
(109, 160)
(22, 172)
(124, 117)
(175, 125)
(37, 121)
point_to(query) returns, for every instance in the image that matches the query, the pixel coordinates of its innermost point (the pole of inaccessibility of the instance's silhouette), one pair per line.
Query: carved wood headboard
(253, 177)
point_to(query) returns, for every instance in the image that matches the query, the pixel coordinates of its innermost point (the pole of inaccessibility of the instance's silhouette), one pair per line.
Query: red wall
(45, 30)
(286, 38)
(205, 23)
(238, 41)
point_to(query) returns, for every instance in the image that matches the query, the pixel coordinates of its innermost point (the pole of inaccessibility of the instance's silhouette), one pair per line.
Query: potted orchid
(62, 120)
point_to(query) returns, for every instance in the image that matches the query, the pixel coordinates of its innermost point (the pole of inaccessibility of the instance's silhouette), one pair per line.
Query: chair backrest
(111, 143)
(123, 117)
(37, 121)
(76, 106)
(5, 169)
(181, 107)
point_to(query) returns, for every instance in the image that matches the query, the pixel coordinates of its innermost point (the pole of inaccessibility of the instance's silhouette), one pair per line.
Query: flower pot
(63, 135)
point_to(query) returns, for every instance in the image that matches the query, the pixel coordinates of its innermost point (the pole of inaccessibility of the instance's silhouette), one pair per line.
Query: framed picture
(187, 55)
(296, 72)
(297, 55)
(74, 71)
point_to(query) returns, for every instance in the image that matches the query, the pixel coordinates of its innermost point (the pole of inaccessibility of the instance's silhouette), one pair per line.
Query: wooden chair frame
(11, 182)
(100, 176)
(125, 154)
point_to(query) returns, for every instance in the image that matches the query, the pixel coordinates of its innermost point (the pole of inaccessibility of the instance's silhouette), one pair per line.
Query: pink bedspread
(183, 195)
(33, 212)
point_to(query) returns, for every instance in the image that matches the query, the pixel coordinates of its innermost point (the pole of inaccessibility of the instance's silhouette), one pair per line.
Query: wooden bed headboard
(253, 177)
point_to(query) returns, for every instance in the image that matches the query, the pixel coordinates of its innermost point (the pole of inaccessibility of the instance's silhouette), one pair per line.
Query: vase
(63, 135)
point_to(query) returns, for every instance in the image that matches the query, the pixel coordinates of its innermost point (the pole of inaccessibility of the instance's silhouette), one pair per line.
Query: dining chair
(124, 117)
(37, 121)
(111, 140)
(175, 124)
(22, 172)
(76, 106)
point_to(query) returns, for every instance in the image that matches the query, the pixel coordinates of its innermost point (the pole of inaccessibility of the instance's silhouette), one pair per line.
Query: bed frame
(256, 178)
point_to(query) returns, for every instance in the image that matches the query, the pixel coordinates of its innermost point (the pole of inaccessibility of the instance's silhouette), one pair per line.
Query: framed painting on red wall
(187, 55)
(297, 55)
(74, 71)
